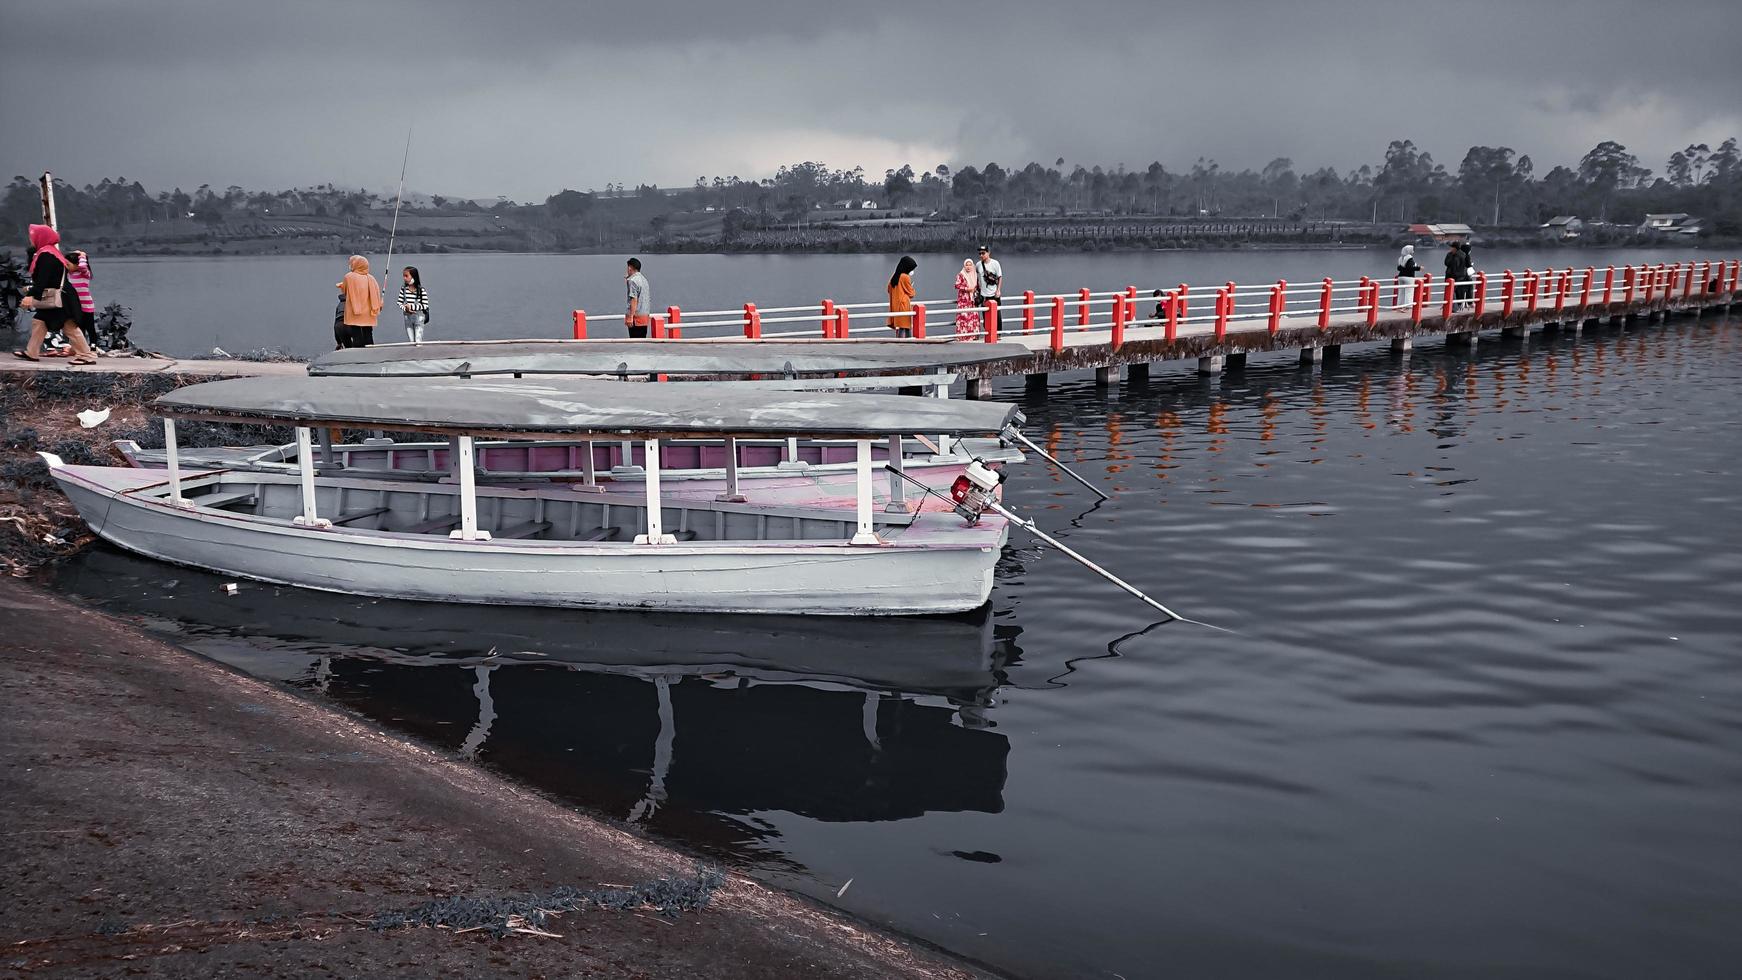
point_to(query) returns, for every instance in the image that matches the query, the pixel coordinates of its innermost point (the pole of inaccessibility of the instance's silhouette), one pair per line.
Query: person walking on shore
(51, 299)
(362, 295)
(414, 303)
(1407, 270)
(991, 285)
(79, 276)
(638, 316)
(901, 297)
(967, 301)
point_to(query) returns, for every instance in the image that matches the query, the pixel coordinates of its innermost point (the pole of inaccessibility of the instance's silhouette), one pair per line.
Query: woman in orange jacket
(362, 299)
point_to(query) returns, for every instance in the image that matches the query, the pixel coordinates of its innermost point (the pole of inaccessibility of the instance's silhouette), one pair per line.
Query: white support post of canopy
(732, 495)
(589, 470)
(791, 462)
(865, 534)
(175, 496)
(942, 391)
(468, 530)
(305, 471)
(655, 524)
(897, 486)
(627, 467)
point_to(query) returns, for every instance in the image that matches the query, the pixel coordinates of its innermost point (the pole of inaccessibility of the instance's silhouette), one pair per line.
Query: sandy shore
(167, 816)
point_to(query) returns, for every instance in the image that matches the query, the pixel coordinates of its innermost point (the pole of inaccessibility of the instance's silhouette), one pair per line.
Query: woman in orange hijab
(362, 296)
(901, 297)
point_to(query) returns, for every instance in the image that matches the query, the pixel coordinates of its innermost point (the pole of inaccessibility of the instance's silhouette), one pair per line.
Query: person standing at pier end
(638, 316)
(1457, 270)
(991, 284)
(901, 297)
(967, 301)
(1407, 270)
(362, 296)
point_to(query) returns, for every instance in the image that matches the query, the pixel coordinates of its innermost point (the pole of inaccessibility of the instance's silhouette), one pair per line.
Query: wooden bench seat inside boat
(360, 514)
(433, 525)
(222, 500)
(529, 529)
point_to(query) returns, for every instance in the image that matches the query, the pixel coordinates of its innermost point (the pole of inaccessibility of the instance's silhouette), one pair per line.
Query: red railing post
(1560, 296)
(1688, 289)
(580, 324)
(1183, 307)
(1361, 297)
(1735, 275)
(841, 323)
(1372, 300)
(1532, 290)
(1585, 291)
(1058, 323)
(1673, 280)
(752, 321)
(1419, 298)
(1224, 306)
(1630, 280)
(991, 318)
(1608, 286)
(1650, 284)
(1118, 321)
(1326, 292)
(919, 321)
(1451, 298)
(673, 317)
(1082, 308)
(1175, 300)
(658, 331)
(1511, 281)
(828, 318)
(1481, 295)
(1278, 298)
(1028, 312)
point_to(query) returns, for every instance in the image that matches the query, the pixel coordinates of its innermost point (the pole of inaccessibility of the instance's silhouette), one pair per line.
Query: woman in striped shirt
(79, 278)
(414, 303)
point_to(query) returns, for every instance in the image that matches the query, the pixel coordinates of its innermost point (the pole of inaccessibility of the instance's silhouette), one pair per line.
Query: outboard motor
(973, 490)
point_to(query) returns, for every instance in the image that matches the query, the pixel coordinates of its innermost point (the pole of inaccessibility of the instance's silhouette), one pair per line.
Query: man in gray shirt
(991, 285)
(639, 314)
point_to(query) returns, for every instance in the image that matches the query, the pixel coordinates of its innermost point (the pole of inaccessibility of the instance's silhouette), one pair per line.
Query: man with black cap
(991, 285)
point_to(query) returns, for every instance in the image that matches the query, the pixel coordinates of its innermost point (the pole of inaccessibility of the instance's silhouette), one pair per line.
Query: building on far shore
(1443, 232)
(1563, 226)
(1673, 224)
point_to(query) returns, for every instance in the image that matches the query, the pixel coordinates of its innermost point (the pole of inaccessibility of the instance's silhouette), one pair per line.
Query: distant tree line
(1491, 186)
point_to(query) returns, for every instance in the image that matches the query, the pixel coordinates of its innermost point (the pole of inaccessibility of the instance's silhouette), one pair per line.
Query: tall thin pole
(387, 271)
(48, 215)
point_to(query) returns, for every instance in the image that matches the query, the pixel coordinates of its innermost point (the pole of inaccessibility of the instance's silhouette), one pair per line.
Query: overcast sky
(526, 97)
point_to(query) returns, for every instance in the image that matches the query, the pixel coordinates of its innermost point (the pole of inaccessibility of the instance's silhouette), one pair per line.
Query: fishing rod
(387, 271)
(987, 503)
(1015, 433)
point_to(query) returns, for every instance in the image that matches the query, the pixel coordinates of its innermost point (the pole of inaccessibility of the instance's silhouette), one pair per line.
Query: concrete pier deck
(169, 817)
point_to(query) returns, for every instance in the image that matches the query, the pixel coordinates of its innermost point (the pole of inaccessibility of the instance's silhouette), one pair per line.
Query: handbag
(54, 299)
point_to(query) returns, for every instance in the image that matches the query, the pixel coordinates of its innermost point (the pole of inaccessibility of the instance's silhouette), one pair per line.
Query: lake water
(1480, 716)
(188, 305)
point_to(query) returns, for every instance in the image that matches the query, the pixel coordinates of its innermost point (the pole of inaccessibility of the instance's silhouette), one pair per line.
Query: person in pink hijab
(51, 298)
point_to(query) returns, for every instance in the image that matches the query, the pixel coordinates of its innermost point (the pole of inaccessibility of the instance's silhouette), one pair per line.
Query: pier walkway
(1221, 325)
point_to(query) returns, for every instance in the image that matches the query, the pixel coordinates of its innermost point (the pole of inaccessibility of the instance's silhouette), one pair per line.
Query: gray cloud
(523, 97)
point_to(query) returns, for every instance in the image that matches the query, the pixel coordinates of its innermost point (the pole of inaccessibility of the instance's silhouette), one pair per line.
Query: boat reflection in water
(680, 720)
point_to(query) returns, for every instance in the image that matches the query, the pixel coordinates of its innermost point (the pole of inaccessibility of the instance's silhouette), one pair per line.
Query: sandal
(80, 361)
(21, 355)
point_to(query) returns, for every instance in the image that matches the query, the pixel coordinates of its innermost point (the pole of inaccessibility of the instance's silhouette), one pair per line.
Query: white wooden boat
(553, 544)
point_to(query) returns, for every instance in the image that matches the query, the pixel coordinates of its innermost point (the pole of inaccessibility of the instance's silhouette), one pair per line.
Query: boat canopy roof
(723, 357)
(573, 407)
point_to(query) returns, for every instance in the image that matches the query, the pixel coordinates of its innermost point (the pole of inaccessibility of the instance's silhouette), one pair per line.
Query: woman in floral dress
(967, 301)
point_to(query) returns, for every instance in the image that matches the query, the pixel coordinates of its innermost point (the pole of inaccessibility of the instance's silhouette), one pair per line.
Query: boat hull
(930, 571)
